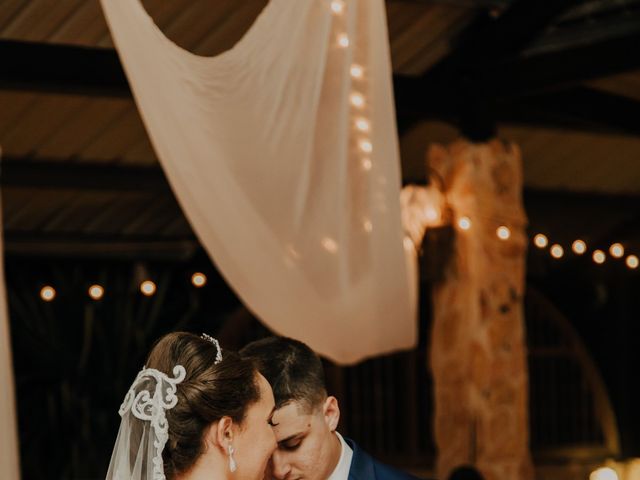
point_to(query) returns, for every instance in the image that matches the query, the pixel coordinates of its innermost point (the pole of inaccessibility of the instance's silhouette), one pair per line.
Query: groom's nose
(279, 466)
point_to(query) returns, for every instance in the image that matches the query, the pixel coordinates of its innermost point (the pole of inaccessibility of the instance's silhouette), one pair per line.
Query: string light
(366, 146)
(96, 292)
(47, 293)
(604, 473)
(198, 279)
(408, 244)
(337, 7)
(464, 223)
(368, 226)
(431, 214)
(599, 257)
(148, 288)
(616, 250)
(579, 247)
(503, 233)
(357, 100)
(356, 71)
(343, 40)
(540, 240)
(366, 164)
(362, 124)
(557, 251)
(330, 245)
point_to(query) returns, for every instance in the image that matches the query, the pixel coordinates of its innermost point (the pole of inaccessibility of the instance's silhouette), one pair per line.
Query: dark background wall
(75, 357)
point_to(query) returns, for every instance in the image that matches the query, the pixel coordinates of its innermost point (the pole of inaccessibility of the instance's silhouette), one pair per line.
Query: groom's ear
(331, 412)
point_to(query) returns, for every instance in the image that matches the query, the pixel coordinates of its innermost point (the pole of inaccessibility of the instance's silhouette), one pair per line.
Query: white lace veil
(143, 432)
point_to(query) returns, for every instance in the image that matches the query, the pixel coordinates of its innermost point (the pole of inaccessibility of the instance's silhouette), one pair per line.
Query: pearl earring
(233, 466)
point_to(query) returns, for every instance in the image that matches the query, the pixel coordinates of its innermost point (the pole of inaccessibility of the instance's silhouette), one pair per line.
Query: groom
(306, 418)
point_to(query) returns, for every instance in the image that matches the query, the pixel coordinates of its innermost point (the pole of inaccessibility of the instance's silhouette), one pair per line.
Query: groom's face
(306, 441)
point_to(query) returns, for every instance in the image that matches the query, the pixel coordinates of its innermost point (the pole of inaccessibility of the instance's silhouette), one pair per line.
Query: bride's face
(255, 441)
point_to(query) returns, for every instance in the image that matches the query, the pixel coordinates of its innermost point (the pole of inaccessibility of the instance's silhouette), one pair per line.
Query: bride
(194, 412)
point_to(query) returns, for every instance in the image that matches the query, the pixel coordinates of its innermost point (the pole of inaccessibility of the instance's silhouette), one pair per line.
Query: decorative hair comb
(217, 344)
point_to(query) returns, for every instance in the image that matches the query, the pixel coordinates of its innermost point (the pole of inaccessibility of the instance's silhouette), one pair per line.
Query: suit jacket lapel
(361, 463)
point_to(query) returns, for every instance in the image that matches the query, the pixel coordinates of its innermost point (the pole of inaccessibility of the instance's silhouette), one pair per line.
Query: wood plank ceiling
(78, 134)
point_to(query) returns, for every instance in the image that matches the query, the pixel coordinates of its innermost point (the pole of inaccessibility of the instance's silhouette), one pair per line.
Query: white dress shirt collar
(341, 472)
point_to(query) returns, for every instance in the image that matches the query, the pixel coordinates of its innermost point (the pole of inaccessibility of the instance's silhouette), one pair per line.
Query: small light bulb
(366, 164)
(330, 245)
(557, 251)
(632, 262)
(599, 257)
(356, 71)
(540, 240)
(408, 244)
(198, 279)
(464, 223)
(366, 146)
(503, 233)
(343, 40)
(579, 247)
(47, 293)
(148, 288)
(368, 226)
(431, 214)
(604, 473)
(357, 100)
(337, 6)
(362, 124)
(96, 292)
(616, 250)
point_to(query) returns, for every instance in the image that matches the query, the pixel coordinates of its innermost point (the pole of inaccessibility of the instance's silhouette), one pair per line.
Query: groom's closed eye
(291, 443)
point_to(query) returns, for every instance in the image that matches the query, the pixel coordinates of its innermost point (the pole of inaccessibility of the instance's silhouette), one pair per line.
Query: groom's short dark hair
(294, 370)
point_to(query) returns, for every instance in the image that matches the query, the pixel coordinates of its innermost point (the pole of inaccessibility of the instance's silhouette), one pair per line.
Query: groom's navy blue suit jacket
(364, 467)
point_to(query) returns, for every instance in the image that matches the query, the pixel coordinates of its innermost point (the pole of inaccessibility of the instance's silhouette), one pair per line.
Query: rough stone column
(478, 351)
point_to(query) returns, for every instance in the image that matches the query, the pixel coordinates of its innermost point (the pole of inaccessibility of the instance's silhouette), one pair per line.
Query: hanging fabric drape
(9, 458)
(283, 155)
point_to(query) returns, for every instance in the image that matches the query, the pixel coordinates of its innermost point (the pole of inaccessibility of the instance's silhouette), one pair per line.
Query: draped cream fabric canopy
(9, 457)
(283, 155)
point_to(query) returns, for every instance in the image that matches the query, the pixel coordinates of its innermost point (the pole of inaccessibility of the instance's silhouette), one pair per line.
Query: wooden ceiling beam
(48, 245)
(56, 175)
(586, 108)
(497, 35)
(572, 58)
(469, 97)
(61, 69)
(458, 3)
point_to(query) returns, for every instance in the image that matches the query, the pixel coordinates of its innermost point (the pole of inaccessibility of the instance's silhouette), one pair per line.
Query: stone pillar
(478, 350)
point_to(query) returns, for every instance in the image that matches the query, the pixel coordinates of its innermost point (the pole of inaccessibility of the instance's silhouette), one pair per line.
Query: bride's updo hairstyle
(211, 390)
